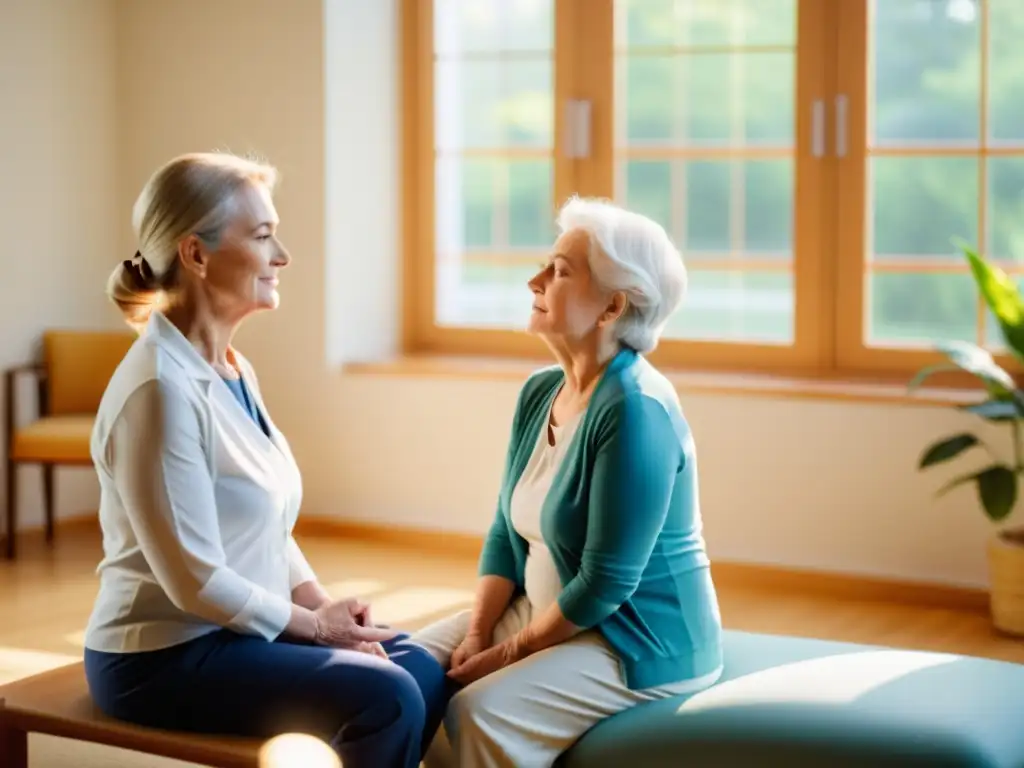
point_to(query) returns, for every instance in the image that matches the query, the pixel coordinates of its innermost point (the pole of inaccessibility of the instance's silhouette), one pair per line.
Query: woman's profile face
(243, 268)
(567, 301)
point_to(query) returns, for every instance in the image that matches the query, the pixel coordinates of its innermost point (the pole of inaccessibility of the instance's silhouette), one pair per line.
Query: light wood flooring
(46, 596)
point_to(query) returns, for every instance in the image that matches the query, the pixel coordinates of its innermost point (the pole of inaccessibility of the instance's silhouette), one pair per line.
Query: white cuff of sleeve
(264, 614)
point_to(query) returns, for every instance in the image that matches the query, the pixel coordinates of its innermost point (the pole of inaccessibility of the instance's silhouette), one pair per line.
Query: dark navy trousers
(374, 713)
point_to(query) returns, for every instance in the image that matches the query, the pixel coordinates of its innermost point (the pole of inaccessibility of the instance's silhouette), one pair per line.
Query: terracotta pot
(1006, 577)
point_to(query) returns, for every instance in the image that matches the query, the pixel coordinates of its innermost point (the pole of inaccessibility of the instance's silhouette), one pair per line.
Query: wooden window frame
(828, 260)
(854, 204)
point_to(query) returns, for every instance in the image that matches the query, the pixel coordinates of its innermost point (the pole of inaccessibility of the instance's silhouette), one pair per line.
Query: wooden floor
(46, 596)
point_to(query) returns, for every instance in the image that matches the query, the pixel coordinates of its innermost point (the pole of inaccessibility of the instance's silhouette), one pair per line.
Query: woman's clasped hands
(347, 624)
(476, 657)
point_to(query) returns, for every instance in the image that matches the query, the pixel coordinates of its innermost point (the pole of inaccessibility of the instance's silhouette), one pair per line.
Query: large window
(935, 149)
(812, 159)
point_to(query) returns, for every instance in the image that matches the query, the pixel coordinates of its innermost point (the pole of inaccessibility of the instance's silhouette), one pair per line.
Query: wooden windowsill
(849, 389)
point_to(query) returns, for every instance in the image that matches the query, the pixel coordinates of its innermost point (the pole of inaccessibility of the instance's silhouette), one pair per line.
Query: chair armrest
(11, 377)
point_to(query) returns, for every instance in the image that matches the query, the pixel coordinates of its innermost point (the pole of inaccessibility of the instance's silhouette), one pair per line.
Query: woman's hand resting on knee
(472, 644)
(346, 624)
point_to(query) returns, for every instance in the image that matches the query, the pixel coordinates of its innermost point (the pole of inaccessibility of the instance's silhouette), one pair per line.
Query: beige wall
(58, 202)
(815, 484)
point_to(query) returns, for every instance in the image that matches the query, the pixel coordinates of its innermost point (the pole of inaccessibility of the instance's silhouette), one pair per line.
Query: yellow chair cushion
(79, 365)
(58, 439)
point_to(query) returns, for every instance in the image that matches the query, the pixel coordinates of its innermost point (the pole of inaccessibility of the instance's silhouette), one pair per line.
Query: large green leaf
(928, 371)
(1002, 297)
(976, 361)
(997, 490)
(946, 449)
(996, 410)
(973, 359)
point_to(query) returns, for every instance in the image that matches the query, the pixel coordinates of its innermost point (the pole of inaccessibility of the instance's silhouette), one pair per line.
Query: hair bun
(140, 273)
(135, 290)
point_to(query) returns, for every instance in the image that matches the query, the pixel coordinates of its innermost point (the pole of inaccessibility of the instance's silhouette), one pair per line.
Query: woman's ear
(193, 256)
(616, 308)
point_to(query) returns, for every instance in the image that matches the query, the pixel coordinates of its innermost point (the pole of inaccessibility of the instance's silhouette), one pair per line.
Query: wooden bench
(57, 703)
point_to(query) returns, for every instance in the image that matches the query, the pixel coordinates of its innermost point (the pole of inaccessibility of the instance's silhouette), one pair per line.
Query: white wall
(58, 198)
(362, 175)
(817, 484)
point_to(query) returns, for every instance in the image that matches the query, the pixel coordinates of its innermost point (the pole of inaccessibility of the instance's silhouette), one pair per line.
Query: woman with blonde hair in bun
(209, 618)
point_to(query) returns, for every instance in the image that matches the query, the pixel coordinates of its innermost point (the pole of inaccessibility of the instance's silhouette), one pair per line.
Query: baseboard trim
(733, 575)
(80, 521)
(849, 586)
(441, 542)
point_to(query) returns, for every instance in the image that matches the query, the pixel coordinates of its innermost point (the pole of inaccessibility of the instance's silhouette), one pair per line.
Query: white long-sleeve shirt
(197, 504)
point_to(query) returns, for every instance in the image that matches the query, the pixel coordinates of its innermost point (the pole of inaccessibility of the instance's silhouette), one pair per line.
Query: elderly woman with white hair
(595, 592)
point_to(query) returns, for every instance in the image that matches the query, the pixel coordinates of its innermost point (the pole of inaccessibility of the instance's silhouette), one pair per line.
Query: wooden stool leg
(12, 506)
(48, 500)
(13, 748)
(13, 744)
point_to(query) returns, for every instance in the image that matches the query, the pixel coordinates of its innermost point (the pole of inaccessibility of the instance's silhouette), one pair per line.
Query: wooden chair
(57, 703)
(70, 382)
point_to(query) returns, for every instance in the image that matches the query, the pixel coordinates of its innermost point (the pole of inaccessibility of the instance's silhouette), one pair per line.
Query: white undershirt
(543, 584)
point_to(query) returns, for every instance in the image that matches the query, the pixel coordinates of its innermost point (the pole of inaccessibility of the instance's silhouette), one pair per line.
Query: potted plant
(997, 483)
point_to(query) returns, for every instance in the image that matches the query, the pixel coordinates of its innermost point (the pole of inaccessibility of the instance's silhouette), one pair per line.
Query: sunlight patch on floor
(361, 588)
(16, 663)
(408, 607)
(55, 752)
(76, 639)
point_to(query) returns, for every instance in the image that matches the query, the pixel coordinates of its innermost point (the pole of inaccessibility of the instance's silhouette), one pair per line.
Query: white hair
(630, 253)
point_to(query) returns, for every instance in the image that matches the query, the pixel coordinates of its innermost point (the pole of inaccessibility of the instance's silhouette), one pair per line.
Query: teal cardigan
(622, 521)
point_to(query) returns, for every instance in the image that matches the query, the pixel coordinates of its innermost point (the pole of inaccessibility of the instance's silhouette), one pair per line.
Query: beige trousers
(526, 715)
